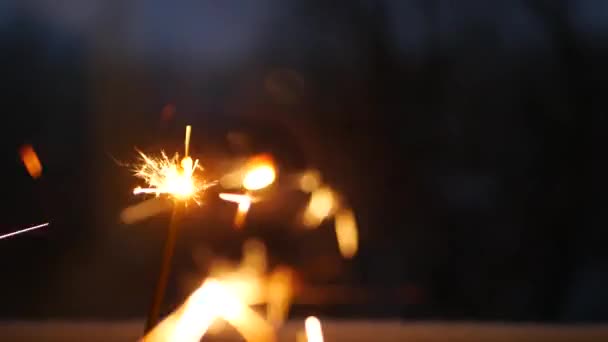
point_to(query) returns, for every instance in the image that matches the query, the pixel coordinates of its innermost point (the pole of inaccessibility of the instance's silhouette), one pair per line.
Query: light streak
(244, 203)
(23, 231)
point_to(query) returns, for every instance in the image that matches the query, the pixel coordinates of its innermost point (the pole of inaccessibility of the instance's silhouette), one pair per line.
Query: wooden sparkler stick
(165, 271)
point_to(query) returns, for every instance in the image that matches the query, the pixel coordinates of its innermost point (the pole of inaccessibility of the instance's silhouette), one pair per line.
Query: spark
(171, 176)
(23, 231)
(314, 333)
(31, 161)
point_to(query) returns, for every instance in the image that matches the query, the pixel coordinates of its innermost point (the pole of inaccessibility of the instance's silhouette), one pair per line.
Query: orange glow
(314, 333)
(171, 176)
(31, 161)
(346, 233)
(322, 205)
(260, 173)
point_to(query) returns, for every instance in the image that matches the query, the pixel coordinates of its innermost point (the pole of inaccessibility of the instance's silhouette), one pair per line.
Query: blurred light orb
(260, 174)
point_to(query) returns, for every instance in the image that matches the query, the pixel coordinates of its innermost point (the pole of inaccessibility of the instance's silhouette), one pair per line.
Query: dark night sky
(467, 137)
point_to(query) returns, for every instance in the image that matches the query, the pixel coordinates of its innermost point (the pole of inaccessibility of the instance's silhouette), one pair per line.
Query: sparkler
(21, 231)
(176, 179)
(227, 295)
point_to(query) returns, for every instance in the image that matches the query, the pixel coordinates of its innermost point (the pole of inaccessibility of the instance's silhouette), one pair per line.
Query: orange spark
(314, 333)
(31, 161)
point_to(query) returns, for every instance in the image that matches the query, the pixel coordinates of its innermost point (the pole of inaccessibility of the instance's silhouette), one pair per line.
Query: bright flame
(30, 161)
(322, 205)
(346, 233)
(170, 176)
(260, 173)
(314, 333)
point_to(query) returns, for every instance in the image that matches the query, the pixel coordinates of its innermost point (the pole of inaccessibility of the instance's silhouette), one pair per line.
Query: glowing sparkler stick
(23, 231)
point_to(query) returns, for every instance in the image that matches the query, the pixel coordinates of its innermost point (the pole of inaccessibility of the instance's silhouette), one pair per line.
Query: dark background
(468, 137)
